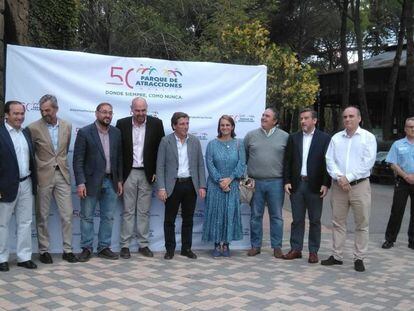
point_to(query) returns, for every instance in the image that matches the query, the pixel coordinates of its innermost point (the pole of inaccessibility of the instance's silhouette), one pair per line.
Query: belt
(304, 178)
(138, 168)
(355, 182)
(183, 179)
(108, 175)
(23, 178)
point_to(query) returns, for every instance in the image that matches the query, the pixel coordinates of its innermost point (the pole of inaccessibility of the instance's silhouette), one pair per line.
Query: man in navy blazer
(307, 182)
(141, 136)
(18, 185)
(97, 164)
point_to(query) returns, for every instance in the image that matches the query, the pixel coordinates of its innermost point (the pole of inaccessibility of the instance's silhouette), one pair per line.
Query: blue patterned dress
(222, 218)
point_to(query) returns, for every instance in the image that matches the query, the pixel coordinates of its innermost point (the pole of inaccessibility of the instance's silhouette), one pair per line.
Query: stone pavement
(237, 283)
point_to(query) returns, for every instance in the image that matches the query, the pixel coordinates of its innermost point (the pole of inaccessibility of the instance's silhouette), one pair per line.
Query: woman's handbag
(246, 187)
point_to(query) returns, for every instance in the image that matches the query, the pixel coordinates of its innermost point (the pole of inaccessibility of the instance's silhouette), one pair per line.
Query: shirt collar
(179, 140)
(11, 128)
(51, 125)
(358, 131)
(136, 125)
(271, 131)
(100, 129)
(310, 134)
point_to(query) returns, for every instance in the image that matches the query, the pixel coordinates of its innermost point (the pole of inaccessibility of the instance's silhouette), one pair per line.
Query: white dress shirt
(351, 156)
(307, 140)
(183, 166)
(138, 138)
(22, 150)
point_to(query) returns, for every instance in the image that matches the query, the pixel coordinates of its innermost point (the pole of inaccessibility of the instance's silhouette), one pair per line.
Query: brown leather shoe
(277, 252)
(253, 251)
(292, 255)
(313, 258)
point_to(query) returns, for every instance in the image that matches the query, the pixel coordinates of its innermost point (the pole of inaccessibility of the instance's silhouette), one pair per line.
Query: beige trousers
(358, 199)
(137, 205)
(62, 193)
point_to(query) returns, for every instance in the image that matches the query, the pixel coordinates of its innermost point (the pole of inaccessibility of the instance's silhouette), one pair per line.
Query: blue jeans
(268, 191)
(107, 199)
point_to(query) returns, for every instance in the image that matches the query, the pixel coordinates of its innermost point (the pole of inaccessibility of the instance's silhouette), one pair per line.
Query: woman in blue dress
(226, 164)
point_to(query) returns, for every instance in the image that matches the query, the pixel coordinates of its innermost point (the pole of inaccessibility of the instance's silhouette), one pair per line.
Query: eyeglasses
(106, 112)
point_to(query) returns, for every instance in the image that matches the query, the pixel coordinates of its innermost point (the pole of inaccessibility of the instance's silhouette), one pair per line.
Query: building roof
(383, 60)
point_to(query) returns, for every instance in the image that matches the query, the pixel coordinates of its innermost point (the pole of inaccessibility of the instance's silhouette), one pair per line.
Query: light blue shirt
(402, 154)
(53, 132)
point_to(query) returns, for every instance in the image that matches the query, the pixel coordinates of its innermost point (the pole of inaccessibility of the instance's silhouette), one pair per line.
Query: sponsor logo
(32, 107)
(200, 136)
(144, 77)
(243, 118)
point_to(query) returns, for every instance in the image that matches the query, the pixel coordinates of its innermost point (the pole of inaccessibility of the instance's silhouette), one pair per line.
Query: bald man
(141, 136)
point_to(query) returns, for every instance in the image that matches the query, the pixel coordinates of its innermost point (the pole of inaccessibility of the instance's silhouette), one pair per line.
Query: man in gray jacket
(180, 177)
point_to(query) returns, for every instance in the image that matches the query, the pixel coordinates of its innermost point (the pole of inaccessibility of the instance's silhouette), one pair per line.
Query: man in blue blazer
(97, 164)
(18, 185)
(307, 182)
(180, 178)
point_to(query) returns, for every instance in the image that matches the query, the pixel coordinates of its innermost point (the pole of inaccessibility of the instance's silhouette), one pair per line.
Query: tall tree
(410, 58)
(392, 80)
(54, 24)
(362, 99)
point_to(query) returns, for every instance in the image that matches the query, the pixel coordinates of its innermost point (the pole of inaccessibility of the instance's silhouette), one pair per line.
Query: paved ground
(237, 283)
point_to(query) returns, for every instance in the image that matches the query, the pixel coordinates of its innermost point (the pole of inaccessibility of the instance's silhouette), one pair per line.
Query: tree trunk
(2, 59)
(344, 55)
(410, 59)
(360, 69)
(389, 106)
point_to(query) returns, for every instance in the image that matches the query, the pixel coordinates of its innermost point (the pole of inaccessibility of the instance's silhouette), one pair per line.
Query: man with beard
(97, 164)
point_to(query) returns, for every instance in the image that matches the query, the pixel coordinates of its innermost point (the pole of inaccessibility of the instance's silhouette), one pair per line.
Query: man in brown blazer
(51, 139)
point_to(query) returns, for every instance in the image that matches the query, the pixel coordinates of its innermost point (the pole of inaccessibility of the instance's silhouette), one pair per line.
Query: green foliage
(53, 23)
(290, 84)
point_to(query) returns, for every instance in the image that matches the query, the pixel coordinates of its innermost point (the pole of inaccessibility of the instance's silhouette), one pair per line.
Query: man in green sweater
(265, 150)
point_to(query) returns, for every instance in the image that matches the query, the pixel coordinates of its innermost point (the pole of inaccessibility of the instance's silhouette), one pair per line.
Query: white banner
(81, 81)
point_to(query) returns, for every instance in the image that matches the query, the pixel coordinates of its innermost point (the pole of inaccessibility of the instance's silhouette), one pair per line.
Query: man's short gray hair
(48, 97)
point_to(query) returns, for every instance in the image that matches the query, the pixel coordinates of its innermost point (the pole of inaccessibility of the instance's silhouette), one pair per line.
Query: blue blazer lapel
(314, 141)
(95, 136)
(6, 137)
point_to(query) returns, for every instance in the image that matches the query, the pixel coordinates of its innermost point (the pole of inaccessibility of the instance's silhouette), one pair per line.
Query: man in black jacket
(141, 136)
(307, 183)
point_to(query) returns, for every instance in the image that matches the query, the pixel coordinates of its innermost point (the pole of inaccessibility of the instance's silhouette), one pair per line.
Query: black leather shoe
(169, 255)
(387, 244)
(331, 261)
(107, 254)
(359, 265)
(85, 255)
(125, 253)
(188, 253)
(146, 252)
(27, 264)
(45, 258)
(69, 257)
(4, 266)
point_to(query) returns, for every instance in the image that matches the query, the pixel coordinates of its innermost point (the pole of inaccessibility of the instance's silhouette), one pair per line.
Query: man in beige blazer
(51, 138)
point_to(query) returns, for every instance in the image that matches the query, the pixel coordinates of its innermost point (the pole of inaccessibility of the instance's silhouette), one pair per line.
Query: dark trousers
(302, 200)
(185, 195)
(401, 192)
